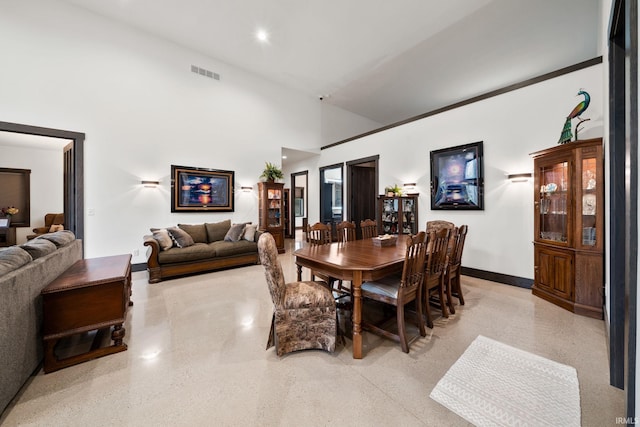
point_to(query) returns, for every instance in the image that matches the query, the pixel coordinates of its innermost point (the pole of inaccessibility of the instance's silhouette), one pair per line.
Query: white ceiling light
(262, 36)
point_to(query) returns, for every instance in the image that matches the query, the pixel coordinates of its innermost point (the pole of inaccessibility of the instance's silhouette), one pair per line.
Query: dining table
(356, 261)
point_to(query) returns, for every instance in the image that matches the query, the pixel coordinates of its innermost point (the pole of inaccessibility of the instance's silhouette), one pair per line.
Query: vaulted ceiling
(384, 60)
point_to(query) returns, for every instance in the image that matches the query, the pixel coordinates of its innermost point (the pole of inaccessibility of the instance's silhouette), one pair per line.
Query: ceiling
(384, 60)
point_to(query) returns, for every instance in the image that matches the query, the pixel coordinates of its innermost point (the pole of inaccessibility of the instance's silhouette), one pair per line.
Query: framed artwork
(4, 222)
(457, 178)
(201, 190)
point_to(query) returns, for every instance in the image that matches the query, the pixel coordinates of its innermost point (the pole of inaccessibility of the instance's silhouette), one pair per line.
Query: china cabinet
(271, 211)
(397, 214)
(568, 226)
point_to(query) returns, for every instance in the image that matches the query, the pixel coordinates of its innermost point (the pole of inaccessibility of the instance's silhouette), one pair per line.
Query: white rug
(493, 384)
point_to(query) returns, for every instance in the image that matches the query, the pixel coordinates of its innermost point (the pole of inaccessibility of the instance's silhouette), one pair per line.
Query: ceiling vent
(204, 72)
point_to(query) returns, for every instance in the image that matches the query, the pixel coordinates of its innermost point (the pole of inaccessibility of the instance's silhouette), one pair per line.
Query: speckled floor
(197, 357)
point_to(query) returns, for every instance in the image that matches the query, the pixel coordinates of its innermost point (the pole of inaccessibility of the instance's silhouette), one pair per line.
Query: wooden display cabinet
(271, 211)
(398, 215)
(568, 226)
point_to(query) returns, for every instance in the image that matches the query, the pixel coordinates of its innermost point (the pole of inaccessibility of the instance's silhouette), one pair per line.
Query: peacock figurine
(566, 134)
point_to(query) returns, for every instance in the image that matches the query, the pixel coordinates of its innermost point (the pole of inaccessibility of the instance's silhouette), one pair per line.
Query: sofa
(24, 271)
(197, 248)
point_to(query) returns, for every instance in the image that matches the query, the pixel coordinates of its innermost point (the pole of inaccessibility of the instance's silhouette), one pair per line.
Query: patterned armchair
(304, 314)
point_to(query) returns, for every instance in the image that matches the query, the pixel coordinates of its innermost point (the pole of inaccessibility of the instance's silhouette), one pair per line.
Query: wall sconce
(410, 188)
(150, 184)
(519, 177)
(246, 188)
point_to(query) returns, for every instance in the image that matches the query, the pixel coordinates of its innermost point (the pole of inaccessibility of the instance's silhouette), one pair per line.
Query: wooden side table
(7, 236)
(93, 294)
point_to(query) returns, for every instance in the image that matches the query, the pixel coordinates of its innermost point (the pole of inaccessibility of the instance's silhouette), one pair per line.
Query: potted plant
(393, 191)
(271, 172)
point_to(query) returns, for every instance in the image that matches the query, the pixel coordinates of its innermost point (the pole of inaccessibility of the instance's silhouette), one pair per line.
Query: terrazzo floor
(197, 357)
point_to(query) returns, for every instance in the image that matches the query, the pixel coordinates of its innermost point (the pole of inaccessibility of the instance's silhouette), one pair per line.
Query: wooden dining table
(356, 261)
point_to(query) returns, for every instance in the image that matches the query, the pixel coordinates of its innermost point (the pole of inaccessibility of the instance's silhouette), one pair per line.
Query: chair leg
(402, 333)
(459, 289)
(419, 317)
(427, 310)
(443, 302)
(450, 296)
(272, 333)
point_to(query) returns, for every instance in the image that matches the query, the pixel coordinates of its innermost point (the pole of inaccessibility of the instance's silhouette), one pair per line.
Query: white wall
(512, 126)
(46, 179)
(142, 109)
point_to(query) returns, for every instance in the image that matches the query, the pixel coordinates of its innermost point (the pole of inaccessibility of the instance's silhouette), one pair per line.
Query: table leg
(299, 268)
(357, 314)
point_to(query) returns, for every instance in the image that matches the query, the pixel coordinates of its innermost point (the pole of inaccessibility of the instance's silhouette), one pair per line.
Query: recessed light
(262, 36)
(284, 157)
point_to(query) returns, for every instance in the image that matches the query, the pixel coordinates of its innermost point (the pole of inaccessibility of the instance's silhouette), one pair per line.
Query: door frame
(350, 165)
(74, 171)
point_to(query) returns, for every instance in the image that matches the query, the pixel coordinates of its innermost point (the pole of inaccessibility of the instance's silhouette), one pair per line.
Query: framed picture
(4, 222)
(201, 189)
(457, 178)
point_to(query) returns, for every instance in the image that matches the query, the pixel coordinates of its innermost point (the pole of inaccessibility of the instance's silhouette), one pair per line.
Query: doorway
(299, 198)
(363, 189)
(73, 159)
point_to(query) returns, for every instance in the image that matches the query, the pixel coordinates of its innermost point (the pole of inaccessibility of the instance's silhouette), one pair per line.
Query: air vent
(205, 72)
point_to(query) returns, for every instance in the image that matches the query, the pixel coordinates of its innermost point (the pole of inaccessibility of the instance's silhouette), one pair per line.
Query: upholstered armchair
(304, 313)
(49, 220)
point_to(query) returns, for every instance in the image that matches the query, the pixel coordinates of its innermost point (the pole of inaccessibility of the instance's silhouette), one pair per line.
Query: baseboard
(139, 267)
(507, 279)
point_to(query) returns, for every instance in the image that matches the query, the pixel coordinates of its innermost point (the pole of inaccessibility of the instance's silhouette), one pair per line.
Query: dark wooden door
(362, 195)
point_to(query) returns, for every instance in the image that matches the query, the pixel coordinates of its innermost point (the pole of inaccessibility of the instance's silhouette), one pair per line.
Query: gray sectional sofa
(24, 271)
(198, 248)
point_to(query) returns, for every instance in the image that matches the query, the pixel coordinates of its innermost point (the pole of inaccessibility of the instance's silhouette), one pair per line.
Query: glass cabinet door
(408, 216)
(390, 216)
(589, 210)
(274, 199)
(553, 202)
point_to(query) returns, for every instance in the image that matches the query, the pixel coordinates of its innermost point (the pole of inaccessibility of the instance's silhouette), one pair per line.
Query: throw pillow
(60, 238)
(56, 227)
(216, 231)
(250, 232)
(180, 237)
(163, 238)
(197, 232)
(235, 233)
(12, 258)
(39, 247)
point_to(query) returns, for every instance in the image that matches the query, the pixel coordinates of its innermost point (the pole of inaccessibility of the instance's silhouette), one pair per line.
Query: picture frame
(457, 178)
(4, 222)
(195, 189)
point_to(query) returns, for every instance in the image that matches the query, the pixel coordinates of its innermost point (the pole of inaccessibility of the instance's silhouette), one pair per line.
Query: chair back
(319, 234)
(268, 253)
(53, 218)
(414, 259)
(437, 244)
(369, 228)
(439, 225)
(346, 231)
(456, 256)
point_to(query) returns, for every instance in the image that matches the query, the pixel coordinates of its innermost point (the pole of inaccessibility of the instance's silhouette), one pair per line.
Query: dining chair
(439, 224)
(304, 313)
(320, 234)
(369, 228)
(346, 231)
(400, 290)
(435, 269)
(452, 277)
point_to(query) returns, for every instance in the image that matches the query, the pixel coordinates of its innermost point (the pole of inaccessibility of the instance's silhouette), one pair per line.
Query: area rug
(493, 384)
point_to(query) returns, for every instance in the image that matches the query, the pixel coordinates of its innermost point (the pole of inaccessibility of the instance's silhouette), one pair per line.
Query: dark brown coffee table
(93, 294)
